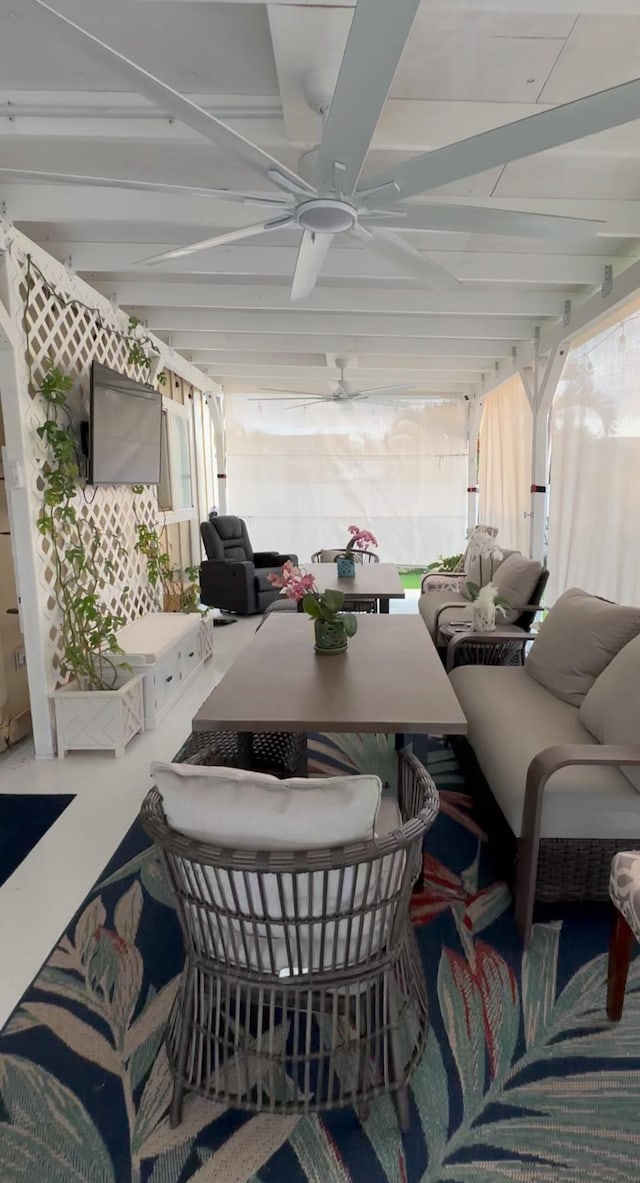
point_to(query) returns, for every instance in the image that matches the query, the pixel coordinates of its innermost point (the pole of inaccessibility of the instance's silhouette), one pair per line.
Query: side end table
(504, 645)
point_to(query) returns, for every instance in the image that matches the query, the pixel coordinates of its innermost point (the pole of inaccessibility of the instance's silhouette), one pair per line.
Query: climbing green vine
(180, 586)
(89, 627)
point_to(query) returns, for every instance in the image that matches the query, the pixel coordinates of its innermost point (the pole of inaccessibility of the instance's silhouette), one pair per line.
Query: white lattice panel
(73, 337)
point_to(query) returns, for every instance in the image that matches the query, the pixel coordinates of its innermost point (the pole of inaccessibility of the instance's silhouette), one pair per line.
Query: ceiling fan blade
(390, 246)
(537, 133)
(377, 37)
(180, 252)
(384, 390)
(476, 219)
(173, 103)
(283, 398)
(276, 200)
(311, 256)
(296, 406)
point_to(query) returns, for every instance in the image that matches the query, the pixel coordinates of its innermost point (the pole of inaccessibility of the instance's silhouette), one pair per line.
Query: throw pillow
(576, 642)
(483, 571)
(516, 580)
(611, 709)
(255, 811)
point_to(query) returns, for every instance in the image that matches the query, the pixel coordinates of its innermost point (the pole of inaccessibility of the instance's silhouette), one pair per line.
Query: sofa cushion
(255, 811)
(484, 573)
(430, 601)
(516, 580)
(510, 719)
(611, 709)
(576, 642)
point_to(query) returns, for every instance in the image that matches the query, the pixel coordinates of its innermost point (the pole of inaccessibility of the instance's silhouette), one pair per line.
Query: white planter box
(98, 720)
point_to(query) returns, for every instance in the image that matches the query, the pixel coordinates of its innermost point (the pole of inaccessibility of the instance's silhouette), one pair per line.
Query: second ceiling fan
(344, 392)
(335, 204)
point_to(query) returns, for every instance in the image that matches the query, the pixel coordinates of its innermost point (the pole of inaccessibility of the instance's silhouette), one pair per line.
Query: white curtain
(595, 465)
(504, 474)
(300, 477)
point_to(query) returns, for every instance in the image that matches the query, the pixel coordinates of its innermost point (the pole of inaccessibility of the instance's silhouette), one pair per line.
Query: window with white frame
(176, 492)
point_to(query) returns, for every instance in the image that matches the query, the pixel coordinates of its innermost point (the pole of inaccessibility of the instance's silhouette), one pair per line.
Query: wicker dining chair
(354, 604)
(302, 988)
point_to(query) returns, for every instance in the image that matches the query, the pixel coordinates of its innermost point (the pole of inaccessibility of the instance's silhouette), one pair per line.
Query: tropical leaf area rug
(523, 1080)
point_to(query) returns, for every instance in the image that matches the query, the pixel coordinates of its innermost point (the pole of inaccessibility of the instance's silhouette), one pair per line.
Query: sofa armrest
(436, 578)
(443, 608)
(539, 772)
(229, 585)
(497, 636)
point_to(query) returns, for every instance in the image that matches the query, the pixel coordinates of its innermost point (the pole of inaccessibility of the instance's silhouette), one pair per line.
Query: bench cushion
(511, 718)
(430, 601)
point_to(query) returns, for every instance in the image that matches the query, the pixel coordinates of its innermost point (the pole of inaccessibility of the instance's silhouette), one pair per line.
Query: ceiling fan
(335, 204)
(343, 393)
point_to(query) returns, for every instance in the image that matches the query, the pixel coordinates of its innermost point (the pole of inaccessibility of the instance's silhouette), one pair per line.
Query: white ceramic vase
(484, 615)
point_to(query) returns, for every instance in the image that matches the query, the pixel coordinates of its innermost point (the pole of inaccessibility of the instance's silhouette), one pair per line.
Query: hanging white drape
(504, 473)
(300, 477)
(595, 465)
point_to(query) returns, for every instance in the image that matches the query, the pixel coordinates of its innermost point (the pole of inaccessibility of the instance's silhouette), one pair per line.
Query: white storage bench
(167, 649)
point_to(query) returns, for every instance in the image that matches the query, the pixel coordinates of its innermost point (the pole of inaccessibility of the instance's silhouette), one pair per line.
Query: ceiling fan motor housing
(326, 215)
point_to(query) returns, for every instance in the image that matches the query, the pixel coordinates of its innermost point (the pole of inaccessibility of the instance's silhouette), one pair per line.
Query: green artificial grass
(412, 578)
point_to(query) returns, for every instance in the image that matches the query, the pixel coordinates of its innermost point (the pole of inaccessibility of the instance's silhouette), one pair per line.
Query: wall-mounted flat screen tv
(124, 430)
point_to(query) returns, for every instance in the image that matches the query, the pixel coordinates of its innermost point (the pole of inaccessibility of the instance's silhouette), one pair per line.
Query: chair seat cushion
(431, 601)
(624, 887)
(510, 719)
(262, 578)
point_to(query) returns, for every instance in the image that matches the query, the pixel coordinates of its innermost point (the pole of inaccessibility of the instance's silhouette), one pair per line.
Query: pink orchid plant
(326, 606)
(362, 539)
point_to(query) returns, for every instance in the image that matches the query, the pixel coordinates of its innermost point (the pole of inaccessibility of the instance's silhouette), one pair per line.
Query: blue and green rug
(523, 1080)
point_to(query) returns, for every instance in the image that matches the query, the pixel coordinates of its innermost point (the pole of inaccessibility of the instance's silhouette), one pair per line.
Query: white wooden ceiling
(468, 65)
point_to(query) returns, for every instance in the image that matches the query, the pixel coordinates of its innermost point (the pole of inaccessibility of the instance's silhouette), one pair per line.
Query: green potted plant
(332, 626)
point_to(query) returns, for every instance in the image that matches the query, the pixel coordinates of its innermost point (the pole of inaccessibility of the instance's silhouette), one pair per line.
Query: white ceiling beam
(301, 343)
(29, 201)
(552, 7)
(273, 298)
(423, 362)
(406, 125)
(256, 261)
(464, 367)
(335, 324)
(256, 378)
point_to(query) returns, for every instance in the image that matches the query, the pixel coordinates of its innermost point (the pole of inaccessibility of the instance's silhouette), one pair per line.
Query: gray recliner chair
(234, 576)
